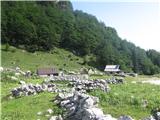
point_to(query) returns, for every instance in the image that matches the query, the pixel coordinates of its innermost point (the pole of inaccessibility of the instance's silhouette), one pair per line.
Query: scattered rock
(10, 97)
(144, 103)
(39, 113)
(22, 82)
(156, 113)
(91, 71)
(28, 73)
(17, 69)
(1, 69)
(23, 73)
(81, 82)
(47, 115)
(59, 117)
(50, 111)
(124, 117)
(14, 78)
(132, 74)
(149, 118)
(157, 116)
(53, 118)
(30, 89)
(17, 74)
(88, 85)
(115, 80)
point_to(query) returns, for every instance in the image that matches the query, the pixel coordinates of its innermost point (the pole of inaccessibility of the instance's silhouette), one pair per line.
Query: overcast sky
(138, 22)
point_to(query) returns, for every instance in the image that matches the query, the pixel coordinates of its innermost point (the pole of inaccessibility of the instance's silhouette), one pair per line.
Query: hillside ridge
(43, 26)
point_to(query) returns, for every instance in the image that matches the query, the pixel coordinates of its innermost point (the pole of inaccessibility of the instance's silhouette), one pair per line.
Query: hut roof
(112, 68)
(46, 71)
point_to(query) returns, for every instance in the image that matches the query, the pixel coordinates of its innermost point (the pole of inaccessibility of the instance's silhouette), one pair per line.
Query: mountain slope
(58, 58)
(43, 26)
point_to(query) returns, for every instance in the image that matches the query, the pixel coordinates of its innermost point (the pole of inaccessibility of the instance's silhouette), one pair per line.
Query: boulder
(156, 113)
(47, 115)
(59, 117)
(92, 113)
(84, 71)
(125, 117)
(14, 78)
(50, 111)
(91, 71)
(22, 82)
(17, 69)
(15, 92)
(28, 73)
(149, 118)
(53, 118)
(81, 107)
(1, 69)
(39, 113)
(17, 74)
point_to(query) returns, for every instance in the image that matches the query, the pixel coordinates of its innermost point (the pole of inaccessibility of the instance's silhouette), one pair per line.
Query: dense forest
(42, 26)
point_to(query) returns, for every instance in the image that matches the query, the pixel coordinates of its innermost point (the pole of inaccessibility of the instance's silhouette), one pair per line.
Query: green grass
(126, 99)
(59, 58)
(122, 99)
(26, 107)
(100, 76)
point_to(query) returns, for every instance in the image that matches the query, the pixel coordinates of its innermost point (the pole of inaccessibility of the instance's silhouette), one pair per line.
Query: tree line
(43, 25)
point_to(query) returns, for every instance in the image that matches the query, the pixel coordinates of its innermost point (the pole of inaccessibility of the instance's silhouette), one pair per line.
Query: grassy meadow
(128, 99)
(123, 99)
(59, 58)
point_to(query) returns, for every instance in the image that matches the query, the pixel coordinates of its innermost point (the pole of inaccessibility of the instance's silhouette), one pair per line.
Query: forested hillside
(41, 26)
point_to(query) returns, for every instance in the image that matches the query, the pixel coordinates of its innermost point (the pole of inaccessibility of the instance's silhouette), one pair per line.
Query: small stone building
(44, 72)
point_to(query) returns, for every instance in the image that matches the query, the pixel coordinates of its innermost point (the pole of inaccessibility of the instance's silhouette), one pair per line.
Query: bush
(71, 59)
(60, 69)
(13, 50)
(69, 56)
(7, 47)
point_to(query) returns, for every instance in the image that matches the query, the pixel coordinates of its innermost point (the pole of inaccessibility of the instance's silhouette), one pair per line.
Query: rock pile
(81, 78)
(81, 82)
(115, 80)
(88, 85)
(125, 117)
(30, 89)
(68, 78)
(81, 107)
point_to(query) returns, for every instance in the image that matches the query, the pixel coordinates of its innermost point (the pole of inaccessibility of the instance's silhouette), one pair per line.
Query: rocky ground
(73, 97)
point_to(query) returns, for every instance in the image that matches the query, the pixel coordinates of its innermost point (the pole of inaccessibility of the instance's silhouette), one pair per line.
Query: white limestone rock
(50, 111)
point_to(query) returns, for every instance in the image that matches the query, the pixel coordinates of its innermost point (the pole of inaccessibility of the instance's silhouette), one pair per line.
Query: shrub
(60, 69)
(6, 47)
(13, 50)
(69, 56)
(71, 59)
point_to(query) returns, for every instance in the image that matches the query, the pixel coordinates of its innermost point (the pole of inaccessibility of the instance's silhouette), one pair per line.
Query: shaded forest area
(43, 25)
